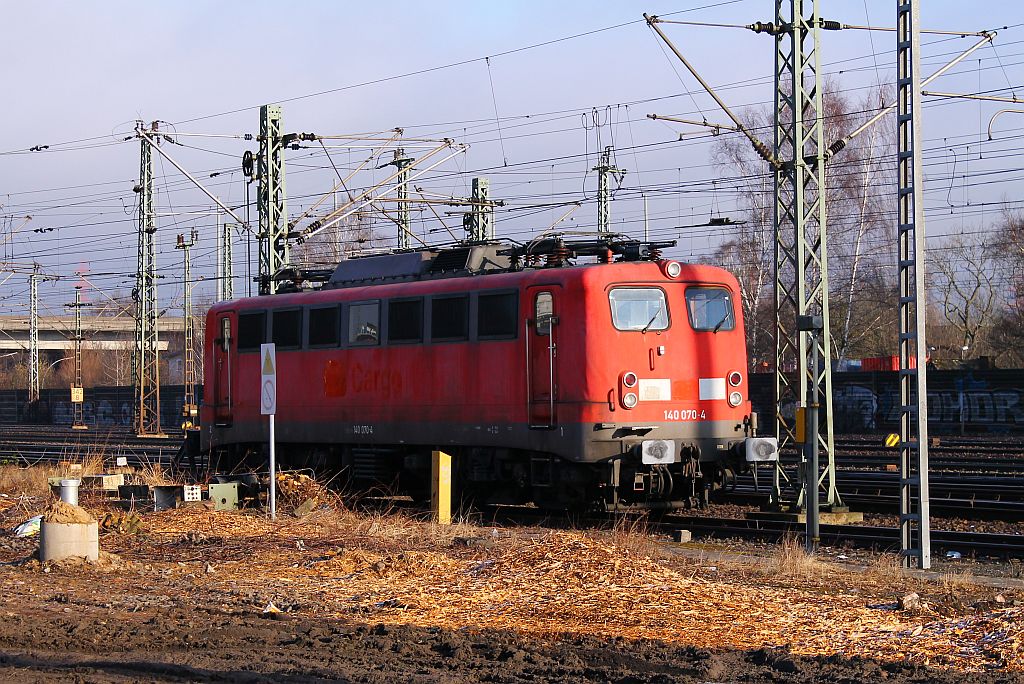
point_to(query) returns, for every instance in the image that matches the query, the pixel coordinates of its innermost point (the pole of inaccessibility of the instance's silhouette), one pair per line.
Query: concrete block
(681, 536)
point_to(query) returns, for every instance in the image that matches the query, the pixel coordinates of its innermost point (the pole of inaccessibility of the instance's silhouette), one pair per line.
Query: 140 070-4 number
(684, 414)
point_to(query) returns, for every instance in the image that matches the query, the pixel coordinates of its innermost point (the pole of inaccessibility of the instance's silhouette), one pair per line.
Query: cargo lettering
(378, 381)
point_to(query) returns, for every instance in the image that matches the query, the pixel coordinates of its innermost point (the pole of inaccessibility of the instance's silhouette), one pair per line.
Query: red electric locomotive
(619, 383)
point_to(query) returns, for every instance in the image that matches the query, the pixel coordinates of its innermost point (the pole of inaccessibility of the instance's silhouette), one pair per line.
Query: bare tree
(750, 254)
(859, 204)
(963, 280)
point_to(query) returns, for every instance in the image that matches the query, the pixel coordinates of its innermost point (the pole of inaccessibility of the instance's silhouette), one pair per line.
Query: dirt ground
(194, 595)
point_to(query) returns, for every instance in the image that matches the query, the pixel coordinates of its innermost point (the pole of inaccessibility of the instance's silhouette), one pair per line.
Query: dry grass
(89, 463)
(153, 474)
(954, 582)
(791, 560)
(34, 480)
(633, 535)
(391, 529)
(887, 568)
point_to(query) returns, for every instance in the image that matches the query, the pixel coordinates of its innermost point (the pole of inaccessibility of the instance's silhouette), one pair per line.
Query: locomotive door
(223, 354)
(541, 356)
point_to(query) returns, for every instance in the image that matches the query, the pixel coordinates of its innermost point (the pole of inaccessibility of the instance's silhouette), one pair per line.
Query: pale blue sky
(87, 70)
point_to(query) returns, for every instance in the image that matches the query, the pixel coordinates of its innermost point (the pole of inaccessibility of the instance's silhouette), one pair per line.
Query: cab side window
(449, 318)
(364, 324)
(543, 313)
(497, 316)
(405, 320)
(323, 326)
(286, 325)
(252, 330)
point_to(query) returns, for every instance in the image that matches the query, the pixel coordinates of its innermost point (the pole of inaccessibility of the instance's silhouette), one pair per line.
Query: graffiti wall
(103, 407)
(958, 401)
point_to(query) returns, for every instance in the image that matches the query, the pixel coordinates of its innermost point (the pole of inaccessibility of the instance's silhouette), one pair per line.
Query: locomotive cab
(666, 382)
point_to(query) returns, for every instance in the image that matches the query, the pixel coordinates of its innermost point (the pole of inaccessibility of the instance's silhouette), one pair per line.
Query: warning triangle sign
(268, 363)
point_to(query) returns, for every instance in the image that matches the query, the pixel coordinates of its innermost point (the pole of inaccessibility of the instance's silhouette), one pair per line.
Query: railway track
(961, 456)
(883, 538)
(989, 485)
(33, 444)
(965, 496)
(29, 445)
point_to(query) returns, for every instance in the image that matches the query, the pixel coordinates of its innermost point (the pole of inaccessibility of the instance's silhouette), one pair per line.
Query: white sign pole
(268, 407)
(273, 473)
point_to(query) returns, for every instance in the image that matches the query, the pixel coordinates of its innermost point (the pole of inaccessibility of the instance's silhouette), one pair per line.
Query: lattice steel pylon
(189, 407)
(480, 219)
(77, 388)
(271, 200)
(605, 168)
(33, 336)
(915, 535)
(146, 361)
(225, 261)
(402, 163)
(801, 254)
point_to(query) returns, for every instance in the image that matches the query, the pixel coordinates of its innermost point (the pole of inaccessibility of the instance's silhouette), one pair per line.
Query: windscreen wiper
(720, 323)
(651, 322)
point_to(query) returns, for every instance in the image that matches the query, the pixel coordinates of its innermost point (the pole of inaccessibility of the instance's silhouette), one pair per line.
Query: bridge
(57, 333)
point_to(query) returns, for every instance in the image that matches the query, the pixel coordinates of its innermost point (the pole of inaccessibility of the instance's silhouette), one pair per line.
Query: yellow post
(441, 487)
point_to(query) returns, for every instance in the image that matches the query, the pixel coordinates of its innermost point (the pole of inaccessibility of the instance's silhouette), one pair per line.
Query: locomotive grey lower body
(612, 466)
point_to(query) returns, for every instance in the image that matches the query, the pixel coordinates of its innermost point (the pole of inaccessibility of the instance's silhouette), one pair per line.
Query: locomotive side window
(225, 334)
(449, 318)
(364, 324)
(252, 330)
(405, 320)
(638, 308)
(542, 307)
(497, 316)
(323, 326)
(286, 328)
(710, 308)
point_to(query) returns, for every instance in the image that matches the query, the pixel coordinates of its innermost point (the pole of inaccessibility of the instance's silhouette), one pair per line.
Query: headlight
(629, 379)
(672, 269)
(735, 378)
(735, 398)
(629, 400)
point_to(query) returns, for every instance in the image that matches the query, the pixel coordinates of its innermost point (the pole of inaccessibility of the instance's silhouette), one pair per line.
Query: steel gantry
(605, 168)
(402, 163)
(797, 158)
(272, 203)
(479, 222)
(189, 408)
(146, 359)
(77, 387)
(915, 535)
(801, 235)
(225, 261)
(33, 336)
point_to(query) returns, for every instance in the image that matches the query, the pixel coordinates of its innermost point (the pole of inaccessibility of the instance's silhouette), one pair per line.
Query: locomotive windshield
(638, 308)
(710, 308)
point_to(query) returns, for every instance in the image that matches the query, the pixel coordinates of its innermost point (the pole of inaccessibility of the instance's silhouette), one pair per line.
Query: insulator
(654, 253)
